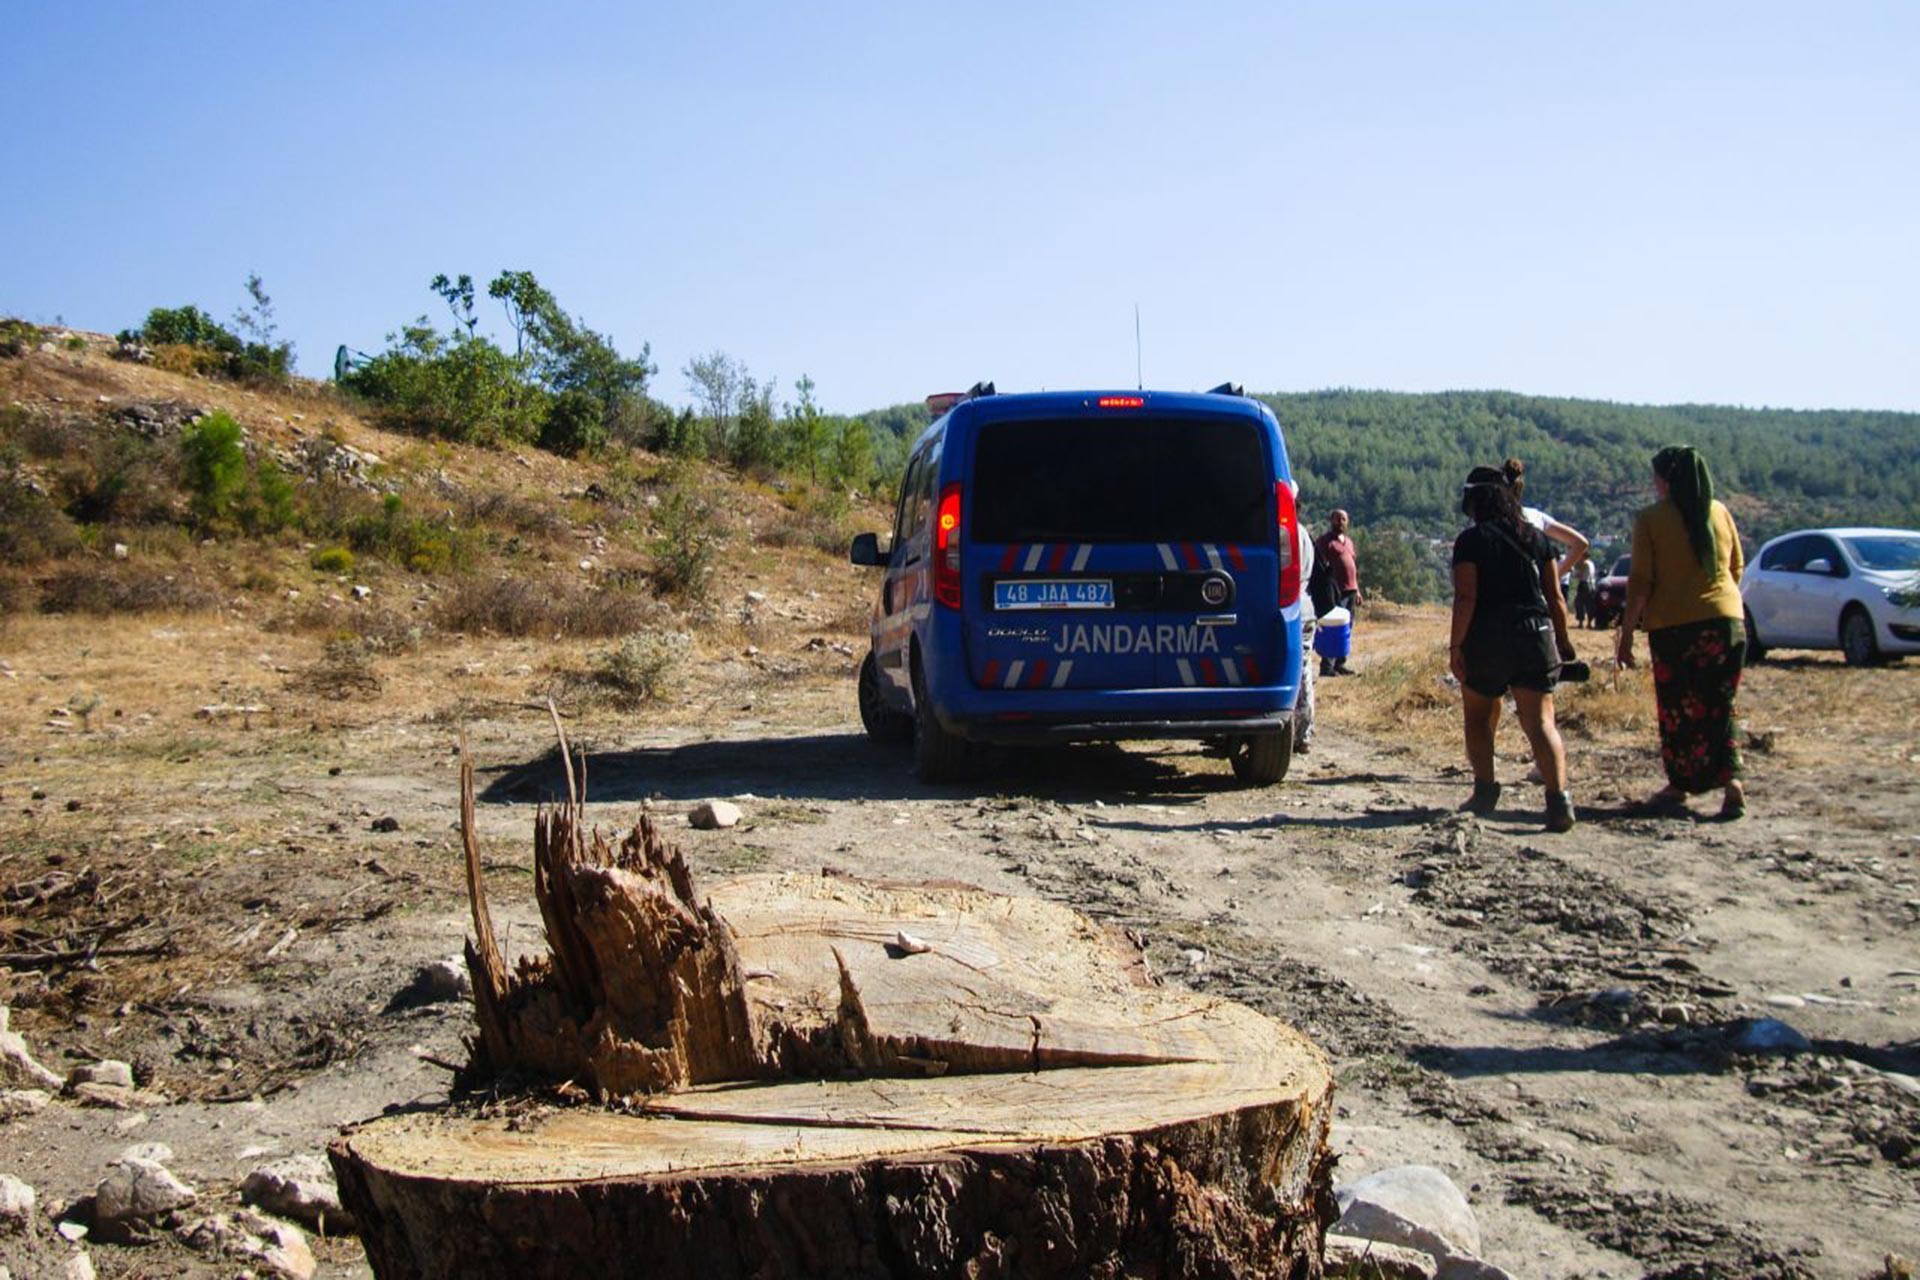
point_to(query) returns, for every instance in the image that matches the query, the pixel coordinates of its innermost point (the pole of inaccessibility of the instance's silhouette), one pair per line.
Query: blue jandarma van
(1070, 566)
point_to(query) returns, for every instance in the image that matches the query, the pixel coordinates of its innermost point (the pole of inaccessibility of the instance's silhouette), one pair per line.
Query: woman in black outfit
(1509, 635)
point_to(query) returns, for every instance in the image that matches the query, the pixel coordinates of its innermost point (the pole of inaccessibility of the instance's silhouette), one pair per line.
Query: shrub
(32, 528)
(345, 670)
(818, 520)
(464, 388)
(519, 606)
(188, 340)
(687, 539)
(639, 668)
(575, 424)
(333, 560)
(422, 545)
(110, 589)
(17, 337)
(119, 478)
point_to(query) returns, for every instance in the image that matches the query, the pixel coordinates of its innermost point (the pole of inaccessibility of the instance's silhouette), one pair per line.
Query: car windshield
(1147, 479)
(1890, 553)
(1622, 567)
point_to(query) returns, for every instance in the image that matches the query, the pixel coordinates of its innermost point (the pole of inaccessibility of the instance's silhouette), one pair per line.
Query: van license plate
(1054, 593)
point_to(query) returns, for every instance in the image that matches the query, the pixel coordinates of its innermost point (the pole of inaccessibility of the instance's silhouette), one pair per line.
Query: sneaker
(1485, 797)
(1342, 669)
(1559, 811)
(1326, 666)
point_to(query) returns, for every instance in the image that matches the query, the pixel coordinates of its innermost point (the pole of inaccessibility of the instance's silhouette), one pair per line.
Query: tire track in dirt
(1597, 956)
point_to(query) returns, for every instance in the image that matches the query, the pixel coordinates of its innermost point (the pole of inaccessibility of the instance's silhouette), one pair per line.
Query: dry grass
(1406, 694)
(102, 589)
(521, 606)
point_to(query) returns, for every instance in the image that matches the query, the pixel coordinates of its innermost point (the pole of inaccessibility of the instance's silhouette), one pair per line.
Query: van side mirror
(1820, 565)
(867, 551)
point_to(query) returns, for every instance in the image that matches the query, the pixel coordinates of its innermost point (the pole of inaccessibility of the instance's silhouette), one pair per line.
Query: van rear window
(1121, 479)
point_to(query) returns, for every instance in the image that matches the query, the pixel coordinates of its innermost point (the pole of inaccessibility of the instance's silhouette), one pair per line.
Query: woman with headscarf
(1684, 584)
(1509, 635)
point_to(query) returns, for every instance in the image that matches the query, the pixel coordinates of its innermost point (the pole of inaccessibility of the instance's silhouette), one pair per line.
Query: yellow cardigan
(1667, 574)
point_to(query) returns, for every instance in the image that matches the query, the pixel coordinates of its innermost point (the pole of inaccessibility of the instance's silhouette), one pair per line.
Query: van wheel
(1756, 651)
(1261, 759)
(1856, 638)
(882, 723)
(938, 756)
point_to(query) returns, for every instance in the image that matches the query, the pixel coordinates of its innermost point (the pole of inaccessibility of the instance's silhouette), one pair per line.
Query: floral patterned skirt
(1696, 673)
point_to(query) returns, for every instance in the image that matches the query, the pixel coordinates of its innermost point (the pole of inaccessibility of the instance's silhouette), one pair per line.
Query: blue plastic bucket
(1333, 634)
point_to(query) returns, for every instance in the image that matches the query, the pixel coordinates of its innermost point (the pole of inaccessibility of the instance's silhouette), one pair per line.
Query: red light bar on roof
(941, 401)
(1121, 402)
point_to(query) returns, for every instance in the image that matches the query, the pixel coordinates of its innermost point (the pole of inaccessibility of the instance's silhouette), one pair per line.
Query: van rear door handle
(1217, 619)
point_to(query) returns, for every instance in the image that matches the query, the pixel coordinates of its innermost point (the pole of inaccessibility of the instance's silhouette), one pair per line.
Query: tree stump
(815, 1076)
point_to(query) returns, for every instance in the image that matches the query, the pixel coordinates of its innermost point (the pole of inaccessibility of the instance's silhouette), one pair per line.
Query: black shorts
(1517, 653)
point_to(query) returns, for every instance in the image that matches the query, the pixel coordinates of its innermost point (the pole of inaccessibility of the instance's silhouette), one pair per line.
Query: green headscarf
(1690, 486)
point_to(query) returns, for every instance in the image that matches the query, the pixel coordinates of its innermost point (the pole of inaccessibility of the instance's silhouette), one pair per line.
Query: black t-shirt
(1509, 574)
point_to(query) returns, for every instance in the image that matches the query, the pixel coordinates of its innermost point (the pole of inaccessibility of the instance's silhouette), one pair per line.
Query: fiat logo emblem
(1214, 590)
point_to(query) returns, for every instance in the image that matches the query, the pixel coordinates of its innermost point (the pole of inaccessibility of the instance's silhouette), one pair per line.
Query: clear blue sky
(1652, 202)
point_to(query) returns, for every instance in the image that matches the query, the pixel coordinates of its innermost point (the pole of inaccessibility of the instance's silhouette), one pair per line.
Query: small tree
(716, 379)
(214, 466)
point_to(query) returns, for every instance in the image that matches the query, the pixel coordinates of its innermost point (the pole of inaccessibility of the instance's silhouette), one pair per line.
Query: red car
(1610, 597)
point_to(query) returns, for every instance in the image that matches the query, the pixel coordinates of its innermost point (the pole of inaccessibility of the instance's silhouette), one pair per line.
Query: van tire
(1261, 759)
(938, 756)
(882, 723)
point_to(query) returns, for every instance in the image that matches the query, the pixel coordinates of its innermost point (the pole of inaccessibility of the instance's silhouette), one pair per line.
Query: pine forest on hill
(1398, 458)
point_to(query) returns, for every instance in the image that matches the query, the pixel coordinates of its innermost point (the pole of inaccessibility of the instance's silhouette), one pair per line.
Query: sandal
(1733, 808)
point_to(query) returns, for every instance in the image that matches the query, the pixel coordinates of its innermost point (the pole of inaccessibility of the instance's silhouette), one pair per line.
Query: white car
(1836, 589)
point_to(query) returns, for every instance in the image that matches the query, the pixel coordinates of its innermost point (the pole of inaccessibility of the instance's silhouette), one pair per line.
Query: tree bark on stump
(816, 1076)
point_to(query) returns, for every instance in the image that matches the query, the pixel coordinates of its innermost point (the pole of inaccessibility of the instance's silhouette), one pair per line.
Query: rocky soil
(1647, 1048)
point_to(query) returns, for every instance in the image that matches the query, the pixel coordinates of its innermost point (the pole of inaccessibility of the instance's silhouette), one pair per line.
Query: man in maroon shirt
(1335, 550)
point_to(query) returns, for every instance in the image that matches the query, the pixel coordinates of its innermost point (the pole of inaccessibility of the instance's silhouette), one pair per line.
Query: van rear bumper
(1013, 729)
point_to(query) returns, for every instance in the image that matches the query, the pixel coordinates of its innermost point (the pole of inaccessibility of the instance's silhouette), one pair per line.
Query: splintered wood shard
(641, 989)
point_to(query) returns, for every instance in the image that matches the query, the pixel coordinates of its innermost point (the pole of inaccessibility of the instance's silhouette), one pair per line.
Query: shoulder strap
(1533, 564)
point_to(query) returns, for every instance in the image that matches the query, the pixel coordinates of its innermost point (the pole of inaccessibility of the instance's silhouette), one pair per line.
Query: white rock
(135, 1192)
(18, 1069)
(712, 815)
(107, 1071)
(15, 1103)
(756, 597)
(362, 593)
(278, 1246)
(1355, 1256)
(299, 1187)
(79, 1267)
(71, 1232)
(1460, 1267)
(119, 551)
(1414, 1205)
(157, 1152)
(16, 1203)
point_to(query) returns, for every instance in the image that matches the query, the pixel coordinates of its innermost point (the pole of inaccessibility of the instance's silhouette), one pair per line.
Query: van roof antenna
(1139, 382)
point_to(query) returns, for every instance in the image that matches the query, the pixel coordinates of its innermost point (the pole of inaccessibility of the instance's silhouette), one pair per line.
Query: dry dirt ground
(1551, 1020)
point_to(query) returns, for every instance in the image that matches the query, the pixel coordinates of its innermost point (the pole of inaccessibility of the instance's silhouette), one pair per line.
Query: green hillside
(1397, 458)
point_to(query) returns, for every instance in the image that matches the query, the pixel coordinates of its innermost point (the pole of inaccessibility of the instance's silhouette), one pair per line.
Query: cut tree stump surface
(1028, 1105)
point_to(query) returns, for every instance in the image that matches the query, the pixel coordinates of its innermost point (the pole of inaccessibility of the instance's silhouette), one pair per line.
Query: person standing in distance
(1335, 549)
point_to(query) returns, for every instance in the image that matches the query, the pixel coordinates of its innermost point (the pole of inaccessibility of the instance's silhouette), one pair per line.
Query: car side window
(1790, 556)
(902, 519)
(1828, 550)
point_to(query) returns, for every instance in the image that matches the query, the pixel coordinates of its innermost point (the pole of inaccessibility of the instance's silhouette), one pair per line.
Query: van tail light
(1289, 542)
(946, 549)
